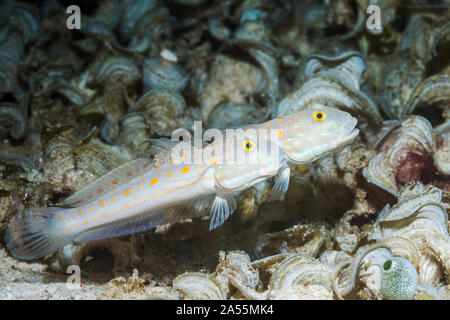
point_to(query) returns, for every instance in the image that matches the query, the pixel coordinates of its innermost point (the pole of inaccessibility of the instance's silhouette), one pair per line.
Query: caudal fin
(35, 233)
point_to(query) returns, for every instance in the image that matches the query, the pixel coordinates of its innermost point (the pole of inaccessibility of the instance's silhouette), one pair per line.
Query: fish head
(313, 132)
(249, 157)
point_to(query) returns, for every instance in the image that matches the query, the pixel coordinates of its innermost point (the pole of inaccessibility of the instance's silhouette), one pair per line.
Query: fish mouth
(352, 132)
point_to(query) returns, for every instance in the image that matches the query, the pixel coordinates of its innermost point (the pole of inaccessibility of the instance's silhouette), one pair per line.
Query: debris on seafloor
(368, 220)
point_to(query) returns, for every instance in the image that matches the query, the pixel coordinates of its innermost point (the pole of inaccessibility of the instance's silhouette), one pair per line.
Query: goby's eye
(248, 145)
(319, 116)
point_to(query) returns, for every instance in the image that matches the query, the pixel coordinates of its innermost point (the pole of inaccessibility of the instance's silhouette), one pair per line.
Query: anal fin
(184, 211)
(124, 227)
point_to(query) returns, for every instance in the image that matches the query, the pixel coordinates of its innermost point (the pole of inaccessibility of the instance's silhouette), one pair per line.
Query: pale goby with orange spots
(308, 135)
(139, 196)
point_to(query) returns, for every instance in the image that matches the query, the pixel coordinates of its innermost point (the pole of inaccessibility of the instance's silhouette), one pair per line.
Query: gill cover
(249, 158)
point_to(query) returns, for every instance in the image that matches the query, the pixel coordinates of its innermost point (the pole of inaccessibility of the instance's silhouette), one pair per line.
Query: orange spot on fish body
(154, 181)
(156, 168)
(115, 181)
(170, 175)
(90, 196)
(212, 161)
(80, 211)
(129, 173)
(113, 199)
(127, 192)
(140, 187)
(145, 165)
(186, 169)
(102, 203)
(199, 166)
(99, 190)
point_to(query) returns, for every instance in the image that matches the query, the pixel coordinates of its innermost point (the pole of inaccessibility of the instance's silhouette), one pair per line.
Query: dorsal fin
(109, 181)
(162, 145)
(162, 150)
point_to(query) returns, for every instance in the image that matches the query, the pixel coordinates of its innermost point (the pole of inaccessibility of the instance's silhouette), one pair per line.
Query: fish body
(138, 196)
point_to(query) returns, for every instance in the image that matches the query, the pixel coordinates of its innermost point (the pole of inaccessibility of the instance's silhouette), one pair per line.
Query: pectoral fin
(223, 207)
(281, 184)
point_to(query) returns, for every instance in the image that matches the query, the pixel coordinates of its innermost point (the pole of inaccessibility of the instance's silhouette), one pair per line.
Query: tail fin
(35, 233)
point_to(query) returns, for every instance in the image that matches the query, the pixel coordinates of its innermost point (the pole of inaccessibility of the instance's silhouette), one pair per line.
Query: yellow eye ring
(319, 116)
(248, 145)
